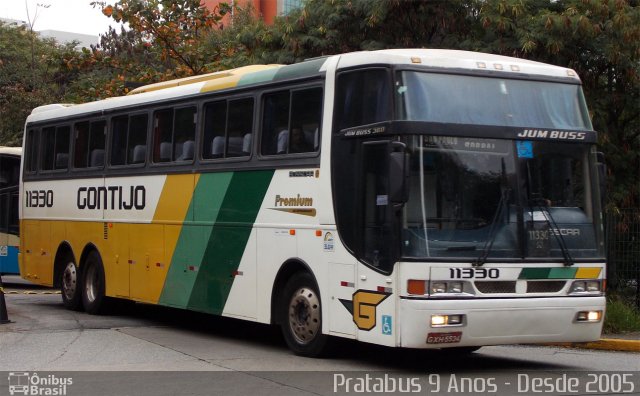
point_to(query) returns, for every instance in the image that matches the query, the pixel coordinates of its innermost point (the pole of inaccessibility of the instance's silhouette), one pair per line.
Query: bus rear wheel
(70, 285)
(93, 285)
(302, 316)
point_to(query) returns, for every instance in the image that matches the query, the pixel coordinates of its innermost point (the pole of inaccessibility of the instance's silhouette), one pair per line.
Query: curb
(608, 344)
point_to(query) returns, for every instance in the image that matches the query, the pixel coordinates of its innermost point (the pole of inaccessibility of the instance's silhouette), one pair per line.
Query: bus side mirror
(602, 175)
(398, 173)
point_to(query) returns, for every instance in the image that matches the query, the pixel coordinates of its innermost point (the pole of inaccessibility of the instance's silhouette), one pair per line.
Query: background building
(265, 9)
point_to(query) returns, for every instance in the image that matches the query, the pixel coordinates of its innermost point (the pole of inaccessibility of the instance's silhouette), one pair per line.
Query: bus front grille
(487, 287)
(545, 286)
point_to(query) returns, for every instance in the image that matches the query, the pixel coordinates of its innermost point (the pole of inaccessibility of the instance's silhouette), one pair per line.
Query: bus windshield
(499, 198)
(461, 99)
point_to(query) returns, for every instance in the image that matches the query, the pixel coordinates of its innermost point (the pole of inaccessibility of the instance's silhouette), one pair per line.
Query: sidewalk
(625, 342)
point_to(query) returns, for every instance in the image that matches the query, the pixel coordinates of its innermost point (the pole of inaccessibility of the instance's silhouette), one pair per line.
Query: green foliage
(620, 317)
(173, 29)
(28, 78)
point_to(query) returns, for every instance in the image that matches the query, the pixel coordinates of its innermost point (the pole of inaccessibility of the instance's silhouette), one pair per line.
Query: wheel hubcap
(91, 283)
(69, 281)
(304, 315)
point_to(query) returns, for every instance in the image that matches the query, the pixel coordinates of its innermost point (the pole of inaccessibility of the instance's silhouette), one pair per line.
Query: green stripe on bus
(548, 273)
(228, 240)
(257, 77)
(203, 211)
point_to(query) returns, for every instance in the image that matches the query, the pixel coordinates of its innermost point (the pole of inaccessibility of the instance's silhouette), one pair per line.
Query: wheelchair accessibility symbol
(386, 325)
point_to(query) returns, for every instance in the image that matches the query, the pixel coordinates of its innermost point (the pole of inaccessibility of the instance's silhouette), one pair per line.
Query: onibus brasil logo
(33, 384)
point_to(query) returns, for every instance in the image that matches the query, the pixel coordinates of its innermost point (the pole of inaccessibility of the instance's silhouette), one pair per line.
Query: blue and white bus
(9, 207)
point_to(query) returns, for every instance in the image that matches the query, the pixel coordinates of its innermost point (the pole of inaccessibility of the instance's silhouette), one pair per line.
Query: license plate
(444, 338)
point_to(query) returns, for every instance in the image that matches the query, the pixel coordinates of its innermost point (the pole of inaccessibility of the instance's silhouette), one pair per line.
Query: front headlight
(438, 287)
(454, 287)
(590, 286)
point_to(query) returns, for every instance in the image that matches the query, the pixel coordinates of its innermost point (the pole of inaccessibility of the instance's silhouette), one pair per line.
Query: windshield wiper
(488, 244)
(543, 206)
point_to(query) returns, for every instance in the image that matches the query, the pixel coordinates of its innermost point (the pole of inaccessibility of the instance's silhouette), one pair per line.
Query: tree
(24, 84)
(172, 29)
(600, 39)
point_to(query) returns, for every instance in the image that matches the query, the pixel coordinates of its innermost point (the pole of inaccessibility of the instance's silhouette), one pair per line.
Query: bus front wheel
(70, 285)
(302, 316)
(93, 285)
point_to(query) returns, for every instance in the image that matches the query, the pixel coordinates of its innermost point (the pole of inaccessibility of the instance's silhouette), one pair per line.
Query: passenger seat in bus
(165, 151)
(62, 160)
(139, 154)
(246, 144)
(187, 151)
(217, 147)
(97, 158)
(283, 142)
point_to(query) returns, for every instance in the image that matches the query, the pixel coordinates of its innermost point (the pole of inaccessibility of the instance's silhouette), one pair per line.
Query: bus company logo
(34, 384)
(112, 197)
(545, 134)
(293, 205)
(363, 307)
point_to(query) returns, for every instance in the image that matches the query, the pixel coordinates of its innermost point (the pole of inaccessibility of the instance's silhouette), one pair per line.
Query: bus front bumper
(498, 321)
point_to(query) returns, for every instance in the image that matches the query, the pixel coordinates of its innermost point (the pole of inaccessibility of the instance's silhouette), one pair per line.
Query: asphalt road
(141, 349)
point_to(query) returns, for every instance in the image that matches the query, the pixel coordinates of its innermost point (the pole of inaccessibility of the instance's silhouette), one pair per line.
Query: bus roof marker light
(292, 232)
(481, 65)
(571, 73)
(415, 59)
(498, 66)
(318, 233)
(515, 68)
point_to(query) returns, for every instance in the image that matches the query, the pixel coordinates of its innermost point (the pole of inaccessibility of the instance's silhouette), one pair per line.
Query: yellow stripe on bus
(588, 273)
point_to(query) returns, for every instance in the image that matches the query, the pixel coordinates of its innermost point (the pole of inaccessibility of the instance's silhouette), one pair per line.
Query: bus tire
(301, 322)
(70, 284)
(93, 284)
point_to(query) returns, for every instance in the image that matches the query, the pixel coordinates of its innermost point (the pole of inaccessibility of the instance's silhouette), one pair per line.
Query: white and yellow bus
(410, 198)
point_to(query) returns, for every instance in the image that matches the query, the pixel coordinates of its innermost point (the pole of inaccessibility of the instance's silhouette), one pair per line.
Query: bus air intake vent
(545, 286)
(487, 287)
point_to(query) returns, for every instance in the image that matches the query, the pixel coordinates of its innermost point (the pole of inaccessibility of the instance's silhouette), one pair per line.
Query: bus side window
(137, 139)
(31, 160)
(9, 171)
(275, 123)
(58, 158)
(363, 97)
(81, 133)
(119, 126)
(228, 127)
(89, 144)
(162, 125)
(174, 134)
(97, 136)
(215, 114)
(306, 114)
(184, 134)
(239, 127)
(291, 121)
